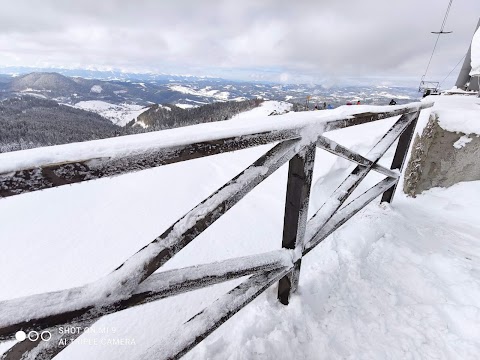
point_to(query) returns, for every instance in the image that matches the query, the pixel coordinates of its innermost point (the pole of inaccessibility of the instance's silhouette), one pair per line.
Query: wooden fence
(134, 282)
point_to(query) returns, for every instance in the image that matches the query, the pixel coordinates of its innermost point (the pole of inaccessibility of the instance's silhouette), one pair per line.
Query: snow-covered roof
(475, 62)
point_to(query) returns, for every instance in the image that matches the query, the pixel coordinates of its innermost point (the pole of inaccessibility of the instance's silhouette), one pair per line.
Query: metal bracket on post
(400, 156)
(300, 172)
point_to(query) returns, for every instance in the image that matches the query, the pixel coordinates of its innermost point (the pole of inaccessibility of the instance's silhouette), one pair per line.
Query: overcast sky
(322, 41)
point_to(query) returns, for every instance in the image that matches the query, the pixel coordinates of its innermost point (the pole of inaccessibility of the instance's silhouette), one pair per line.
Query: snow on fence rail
(134, 282)
(37, 169)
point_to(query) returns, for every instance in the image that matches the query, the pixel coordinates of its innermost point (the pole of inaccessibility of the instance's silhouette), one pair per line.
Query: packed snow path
(400, 282)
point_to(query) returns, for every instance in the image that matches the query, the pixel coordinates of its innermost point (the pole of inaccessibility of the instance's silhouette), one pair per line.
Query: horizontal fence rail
(135, 281)
(24, 176)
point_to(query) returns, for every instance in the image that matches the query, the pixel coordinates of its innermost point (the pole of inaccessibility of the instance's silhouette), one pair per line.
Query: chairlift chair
(429, 87)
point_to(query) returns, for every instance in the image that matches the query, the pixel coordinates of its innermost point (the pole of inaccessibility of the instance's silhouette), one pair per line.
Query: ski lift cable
(438, 37)
(446, 15)
(463, 57)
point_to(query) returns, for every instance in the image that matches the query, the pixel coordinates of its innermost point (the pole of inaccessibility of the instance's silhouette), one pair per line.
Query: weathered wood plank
(339, 150)
(62, 307)
(338, 197)
(192, 332)
(299, 182)
(400, 155)
(314, 237)
(147, 260)
(53, 175)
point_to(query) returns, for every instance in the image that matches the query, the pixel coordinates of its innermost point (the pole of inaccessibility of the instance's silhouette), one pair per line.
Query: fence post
(299, 181)
(401, 152)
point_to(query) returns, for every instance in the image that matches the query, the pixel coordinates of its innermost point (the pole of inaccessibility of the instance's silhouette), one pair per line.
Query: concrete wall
(435, 161)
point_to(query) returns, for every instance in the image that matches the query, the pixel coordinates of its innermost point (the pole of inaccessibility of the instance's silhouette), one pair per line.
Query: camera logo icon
(33, 335)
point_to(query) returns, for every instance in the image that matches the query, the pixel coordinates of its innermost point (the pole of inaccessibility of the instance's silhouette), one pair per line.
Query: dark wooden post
(401, 152)
(296, 211)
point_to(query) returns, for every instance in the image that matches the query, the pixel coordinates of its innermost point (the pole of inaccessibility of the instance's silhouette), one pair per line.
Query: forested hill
(160, 117)
(27, 121)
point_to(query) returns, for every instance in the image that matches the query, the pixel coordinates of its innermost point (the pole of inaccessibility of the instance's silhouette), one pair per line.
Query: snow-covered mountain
(127, 101)
(191, 91)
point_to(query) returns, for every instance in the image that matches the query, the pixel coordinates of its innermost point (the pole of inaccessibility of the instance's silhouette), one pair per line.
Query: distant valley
(47, 108)
(187, 91)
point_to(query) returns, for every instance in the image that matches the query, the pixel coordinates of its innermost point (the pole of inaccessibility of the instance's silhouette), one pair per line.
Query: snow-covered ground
(119, 114)
(395, 282)
(185, 106)
(390, 96)
(398, 282)
(206, 92)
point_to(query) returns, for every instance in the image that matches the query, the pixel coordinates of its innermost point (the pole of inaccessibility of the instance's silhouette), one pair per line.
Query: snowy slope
(206, 92)
(119, 114)
(395, 282)
(185, 106)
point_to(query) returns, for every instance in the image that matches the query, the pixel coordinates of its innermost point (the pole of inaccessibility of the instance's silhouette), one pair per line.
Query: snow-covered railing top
(37, 169)
(135, 282)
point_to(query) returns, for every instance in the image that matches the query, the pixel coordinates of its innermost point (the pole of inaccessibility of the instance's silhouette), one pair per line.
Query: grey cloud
(316, 39)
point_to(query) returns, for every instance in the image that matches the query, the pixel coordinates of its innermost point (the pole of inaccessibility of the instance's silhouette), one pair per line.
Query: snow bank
(457, 113)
